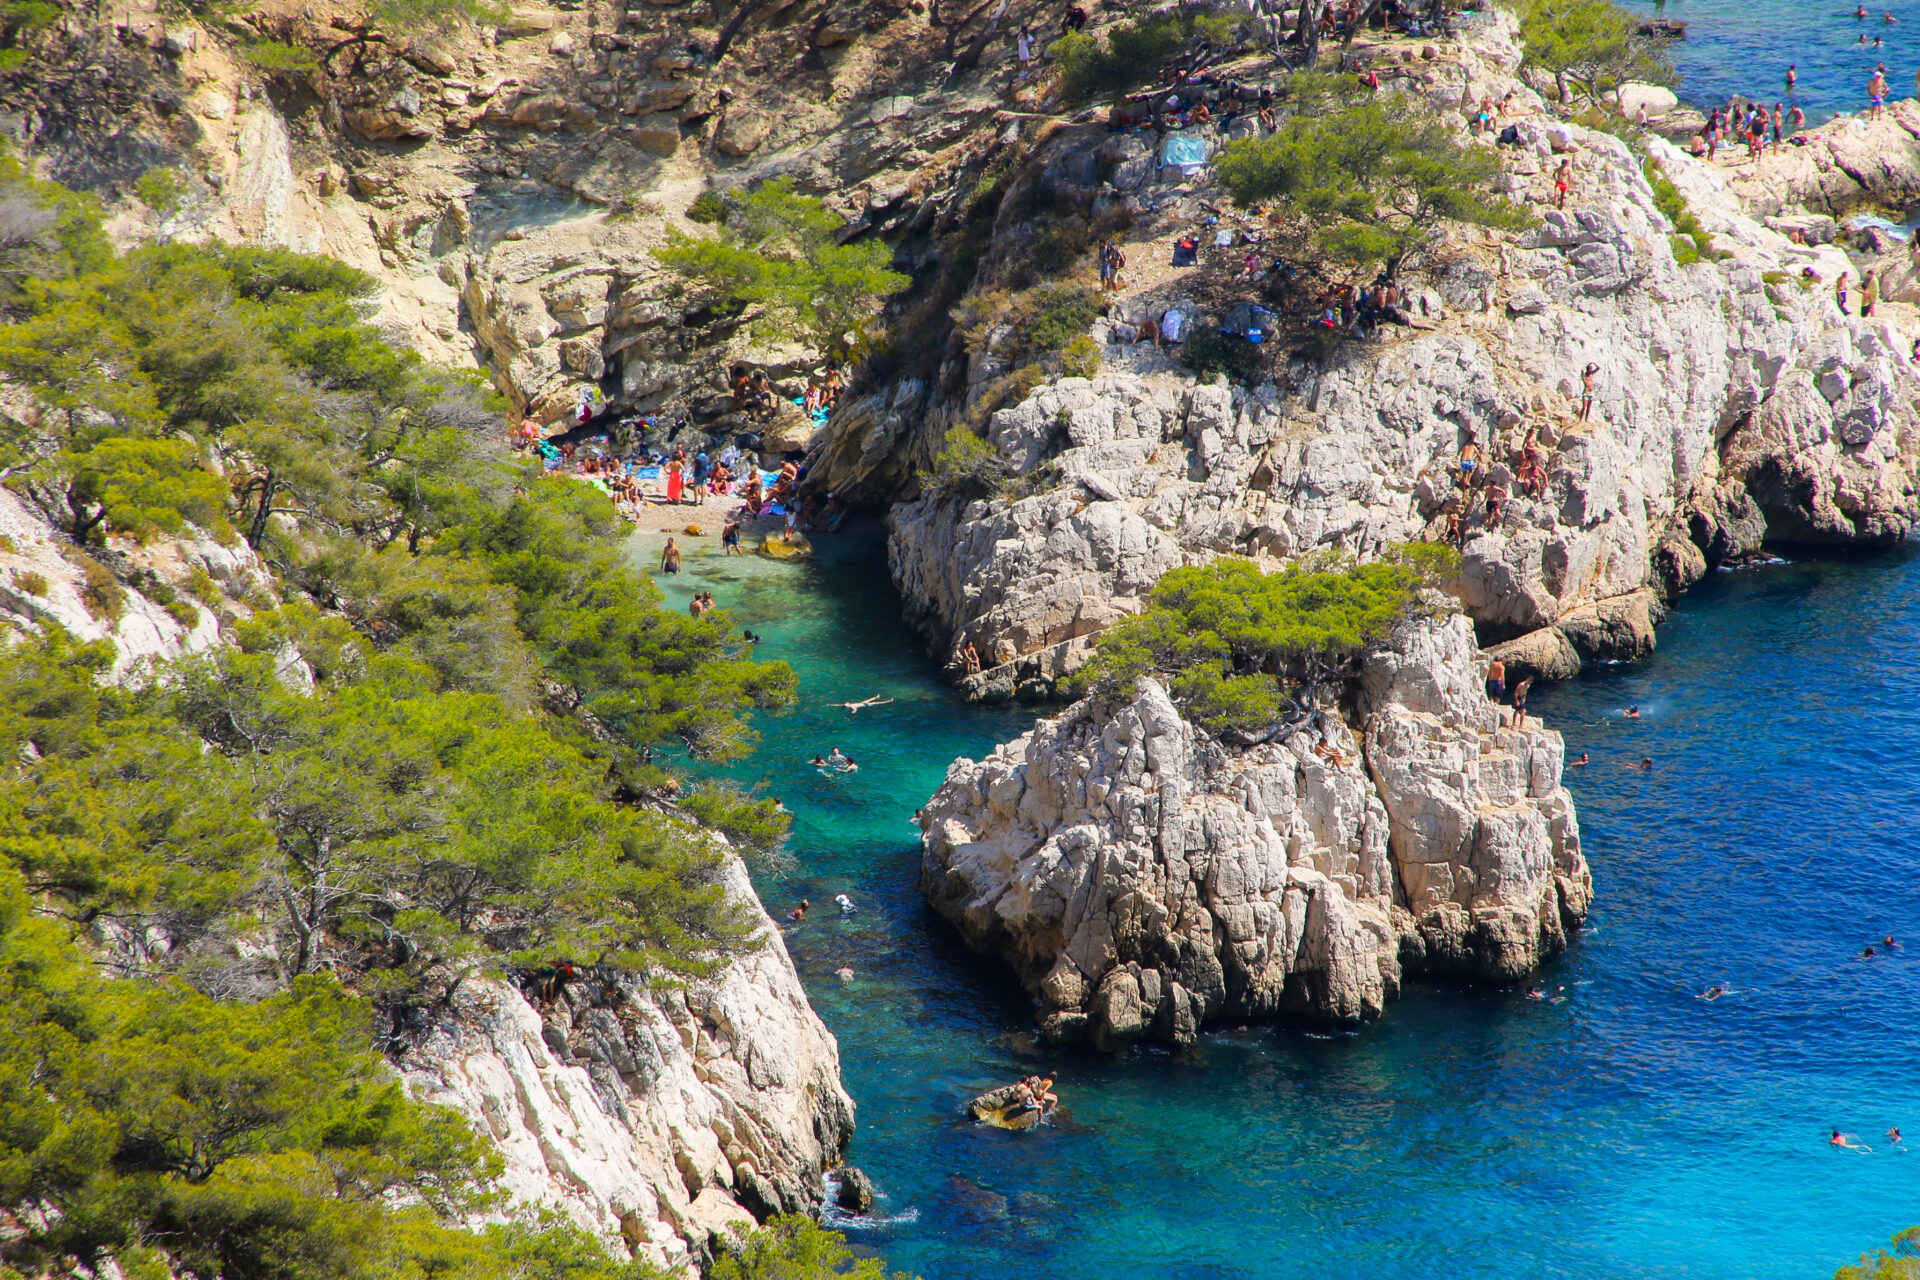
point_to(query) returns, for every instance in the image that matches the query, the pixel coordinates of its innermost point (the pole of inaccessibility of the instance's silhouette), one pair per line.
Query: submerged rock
(1143, 879)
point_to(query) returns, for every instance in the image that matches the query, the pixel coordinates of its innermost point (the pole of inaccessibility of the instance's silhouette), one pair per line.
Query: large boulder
(1142, 878)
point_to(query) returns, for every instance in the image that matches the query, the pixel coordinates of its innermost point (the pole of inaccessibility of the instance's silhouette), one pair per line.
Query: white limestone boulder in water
(1143, 878)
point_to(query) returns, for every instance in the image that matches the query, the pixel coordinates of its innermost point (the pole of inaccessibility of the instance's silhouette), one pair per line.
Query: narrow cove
(1630, 1129)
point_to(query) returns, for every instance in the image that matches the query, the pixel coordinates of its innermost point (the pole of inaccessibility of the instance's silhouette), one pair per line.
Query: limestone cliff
(1733, 402)
(1142, 878)
(653, 1117)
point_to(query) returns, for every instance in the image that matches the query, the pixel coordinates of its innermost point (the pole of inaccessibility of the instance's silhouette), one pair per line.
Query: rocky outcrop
(656, 1118)
(1725, 385)
(154, 602)
(1142, 878)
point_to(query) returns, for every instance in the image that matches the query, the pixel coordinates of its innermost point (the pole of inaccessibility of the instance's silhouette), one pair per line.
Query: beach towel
(1184, 149)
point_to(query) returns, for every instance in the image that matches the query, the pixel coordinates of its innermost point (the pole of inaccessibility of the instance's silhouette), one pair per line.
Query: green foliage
(143, 486)
(757, 825)
(778, 252)
(795, 1248)
(100, 591)
(273, 55)
(1592, 43)
(1134, 52)
(438, 15)
(708, 207)
(1690, 240)
(1063, 313)
(46, 232)
(1903, 1263)
(1208, 351)
(966, 467)
(162, 189)
(1080, 358)
(31, 582)
(1224, 635)
(1371, 173)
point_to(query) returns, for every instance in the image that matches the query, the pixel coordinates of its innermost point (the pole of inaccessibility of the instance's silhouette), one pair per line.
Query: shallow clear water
(1632, 1130)
(1745, 47)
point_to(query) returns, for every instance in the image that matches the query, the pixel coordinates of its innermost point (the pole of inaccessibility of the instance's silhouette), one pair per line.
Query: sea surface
(1619, 1127)
(1745, 47)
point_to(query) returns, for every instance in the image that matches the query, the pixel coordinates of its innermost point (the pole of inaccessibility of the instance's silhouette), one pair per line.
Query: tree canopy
(1371, 174)
(428, 752)
(1226, 637)
(1592, 43)
(778, 250)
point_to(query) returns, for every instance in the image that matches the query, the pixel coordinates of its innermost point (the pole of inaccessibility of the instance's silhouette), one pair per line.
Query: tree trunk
(1366, 16)
(257, 530)
(1313, 36)
(970, 59)
(727, 33)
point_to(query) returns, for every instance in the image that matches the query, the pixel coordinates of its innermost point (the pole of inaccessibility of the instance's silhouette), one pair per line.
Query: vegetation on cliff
(1227, 638)
(1371, 176)
(778, 250)
(1901, 1263)
(1595, 44)
(423, 757)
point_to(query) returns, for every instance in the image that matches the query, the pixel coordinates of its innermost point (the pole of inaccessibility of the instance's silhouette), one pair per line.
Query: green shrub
(1133, 54)
(1081, 357)
(31, 582)
(709, 207)
(1208, 351)
(161, 189)
(182, 612)
(794, 1248)
(1373, 174)
(101, 592)
(1224, 635)
(966, 467)
(1063, 312)
(1690, 240)
(201, 586)
(272, 55)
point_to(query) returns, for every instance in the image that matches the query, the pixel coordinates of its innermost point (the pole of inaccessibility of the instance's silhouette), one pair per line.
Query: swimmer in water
(870, 702)
(1868, 953)
(1888, 942)
(1713, 992)
(1846, 1144)
(1581, 763)
(837, 759)
(800, 912)
(1893, 1136)
(1644, 764)
(845, 903)
(1632, 712)
(818, 762)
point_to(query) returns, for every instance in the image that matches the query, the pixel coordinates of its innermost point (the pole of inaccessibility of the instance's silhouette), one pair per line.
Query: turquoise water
(1631, 1130)
(1745, 47)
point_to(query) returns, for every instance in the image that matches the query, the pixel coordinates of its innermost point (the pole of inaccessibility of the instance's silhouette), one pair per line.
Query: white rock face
(1142, 878)
(44, 581)
(656, 1119)
(1720, 385)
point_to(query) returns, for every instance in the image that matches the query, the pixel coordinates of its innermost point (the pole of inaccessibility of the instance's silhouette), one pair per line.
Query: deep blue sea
(1745, 47)
(1628, 1129)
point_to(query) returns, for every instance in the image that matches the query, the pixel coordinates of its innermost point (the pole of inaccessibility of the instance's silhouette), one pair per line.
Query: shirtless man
(1562, 183)
(670, 558)
(1496, 680)
(1469, 460)
(1877, 93)
(1587, 375)
(1581, 763)
(1520, 702)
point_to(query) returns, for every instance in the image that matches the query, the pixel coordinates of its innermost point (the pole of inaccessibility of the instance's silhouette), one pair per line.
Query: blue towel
(648, 473)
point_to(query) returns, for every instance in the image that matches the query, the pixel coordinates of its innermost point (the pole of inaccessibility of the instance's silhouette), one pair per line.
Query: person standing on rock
(1869, 292)
(1840, 292)
(1520, 702)
(1023, 49)
(1562, 183)
(1496, 681)
(1877, 94)
(1587, 375)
